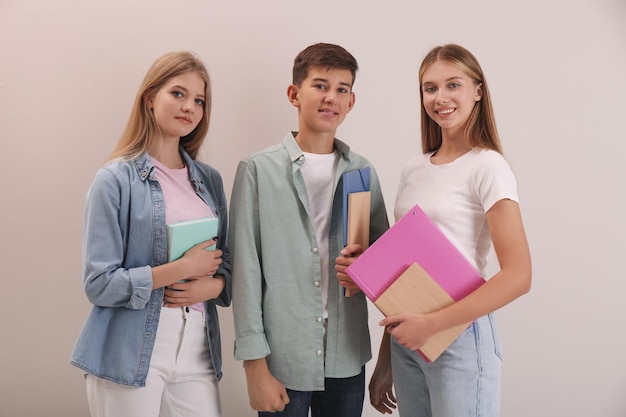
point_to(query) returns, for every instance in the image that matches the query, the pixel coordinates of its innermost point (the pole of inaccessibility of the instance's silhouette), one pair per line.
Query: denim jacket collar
(144, 166)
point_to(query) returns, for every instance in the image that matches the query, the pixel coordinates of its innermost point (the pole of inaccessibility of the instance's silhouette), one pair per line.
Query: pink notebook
(414, 238)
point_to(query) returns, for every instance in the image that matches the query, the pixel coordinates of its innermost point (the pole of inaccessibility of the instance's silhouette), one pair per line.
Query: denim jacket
(124, 236)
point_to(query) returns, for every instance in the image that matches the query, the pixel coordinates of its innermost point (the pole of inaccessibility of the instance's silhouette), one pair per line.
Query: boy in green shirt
(303, 343)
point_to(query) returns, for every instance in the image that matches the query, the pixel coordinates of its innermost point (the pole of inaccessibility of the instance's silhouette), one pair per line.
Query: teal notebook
(182, 236)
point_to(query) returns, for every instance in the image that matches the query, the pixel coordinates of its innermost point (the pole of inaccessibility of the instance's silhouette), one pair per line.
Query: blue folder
(353, 182)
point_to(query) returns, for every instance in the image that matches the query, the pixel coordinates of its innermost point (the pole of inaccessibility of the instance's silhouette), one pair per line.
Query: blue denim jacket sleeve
(110, 280)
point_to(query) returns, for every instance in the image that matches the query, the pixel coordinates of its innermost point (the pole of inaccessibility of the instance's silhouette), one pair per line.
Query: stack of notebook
(414, 268)
(357, 199)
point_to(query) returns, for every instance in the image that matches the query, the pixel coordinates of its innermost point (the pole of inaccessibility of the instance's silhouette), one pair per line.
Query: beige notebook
(359, 221)
(416, 292)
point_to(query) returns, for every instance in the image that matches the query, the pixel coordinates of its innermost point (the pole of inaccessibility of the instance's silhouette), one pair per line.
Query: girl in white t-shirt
(465, 185)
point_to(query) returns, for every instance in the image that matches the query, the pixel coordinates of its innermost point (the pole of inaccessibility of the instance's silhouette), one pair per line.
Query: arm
(107, 283)
(117, 253)
(196, 262)
(266, 393)
(193, 290)
(381, 384)
(217, 287)
(513, 280)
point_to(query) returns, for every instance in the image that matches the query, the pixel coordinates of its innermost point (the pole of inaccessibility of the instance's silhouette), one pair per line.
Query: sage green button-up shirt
(277, 296)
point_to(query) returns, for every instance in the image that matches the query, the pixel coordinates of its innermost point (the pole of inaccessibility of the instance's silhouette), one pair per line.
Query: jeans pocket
(495, 332)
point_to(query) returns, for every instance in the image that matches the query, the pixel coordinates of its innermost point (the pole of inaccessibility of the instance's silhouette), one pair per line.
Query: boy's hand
(349, 254)
(381, 390)
(266, 393)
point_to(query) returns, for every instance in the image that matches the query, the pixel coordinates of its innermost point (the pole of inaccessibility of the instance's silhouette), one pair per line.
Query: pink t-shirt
(181, 201)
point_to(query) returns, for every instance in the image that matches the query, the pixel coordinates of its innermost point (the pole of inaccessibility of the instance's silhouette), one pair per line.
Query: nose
(331, 96)
(442, 95)
(188, 106)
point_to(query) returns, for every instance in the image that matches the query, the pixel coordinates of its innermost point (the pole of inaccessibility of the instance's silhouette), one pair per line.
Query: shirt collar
(296, 154)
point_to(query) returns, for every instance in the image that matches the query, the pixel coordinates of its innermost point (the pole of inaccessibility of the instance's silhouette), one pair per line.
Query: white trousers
(181, 381)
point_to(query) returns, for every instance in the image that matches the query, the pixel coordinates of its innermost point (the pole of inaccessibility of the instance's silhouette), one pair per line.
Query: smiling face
(449, 96)
(323, 99)
(179, 105)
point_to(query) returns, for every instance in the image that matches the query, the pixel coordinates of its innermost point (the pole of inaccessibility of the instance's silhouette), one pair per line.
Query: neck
(167, 153)
(320, 143)
(450, 150)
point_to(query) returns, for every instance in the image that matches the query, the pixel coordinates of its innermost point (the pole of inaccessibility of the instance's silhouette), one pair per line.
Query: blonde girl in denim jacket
(151, 344)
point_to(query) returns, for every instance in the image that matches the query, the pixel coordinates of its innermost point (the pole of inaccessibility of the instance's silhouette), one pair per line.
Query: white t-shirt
(318, 171)
(457, 196)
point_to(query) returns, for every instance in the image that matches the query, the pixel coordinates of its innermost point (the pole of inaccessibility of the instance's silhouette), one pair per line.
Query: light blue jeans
(463, 382)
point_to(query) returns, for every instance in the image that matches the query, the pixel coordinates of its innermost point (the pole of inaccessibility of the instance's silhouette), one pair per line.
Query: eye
(455, 85)
(177, 93)
(343, 90)
(200, 102)
(320, 86)
(429, 89)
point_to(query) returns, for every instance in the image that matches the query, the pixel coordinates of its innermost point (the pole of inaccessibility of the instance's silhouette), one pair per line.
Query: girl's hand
(201, 262)
(410, 330)
(194, 290)
(196, 262)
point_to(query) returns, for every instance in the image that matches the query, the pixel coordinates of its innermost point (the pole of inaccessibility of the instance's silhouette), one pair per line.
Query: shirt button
(318, 351)
(314, 250)
(319, 319)
(316, 283)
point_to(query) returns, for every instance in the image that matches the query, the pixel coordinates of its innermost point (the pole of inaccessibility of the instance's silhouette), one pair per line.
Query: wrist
(184, 268)
(254, 367)
(437, 321)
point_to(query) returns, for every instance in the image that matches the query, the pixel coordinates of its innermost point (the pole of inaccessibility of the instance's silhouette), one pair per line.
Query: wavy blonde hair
(480, 130)
(142, 129)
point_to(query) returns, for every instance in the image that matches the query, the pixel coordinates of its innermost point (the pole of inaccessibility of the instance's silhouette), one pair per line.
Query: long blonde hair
(480, 130)
(142, 129)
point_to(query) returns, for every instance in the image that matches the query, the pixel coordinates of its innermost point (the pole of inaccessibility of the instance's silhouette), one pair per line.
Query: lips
(184, 120)
(445, 112)
(328, 111)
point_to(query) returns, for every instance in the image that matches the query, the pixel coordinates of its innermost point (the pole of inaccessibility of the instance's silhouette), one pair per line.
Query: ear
(292, 95)
(149, 100)
(352, 101)
(479, 92)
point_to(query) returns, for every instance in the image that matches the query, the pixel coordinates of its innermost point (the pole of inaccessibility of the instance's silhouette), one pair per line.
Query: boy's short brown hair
(323, 55)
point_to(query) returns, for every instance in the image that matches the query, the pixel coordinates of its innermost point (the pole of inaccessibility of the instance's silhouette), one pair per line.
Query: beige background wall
(68, 74)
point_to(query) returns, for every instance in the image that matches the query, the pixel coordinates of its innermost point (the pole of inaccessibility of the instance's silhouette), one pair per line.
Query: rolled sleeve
(251, 347)
(108, 281)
